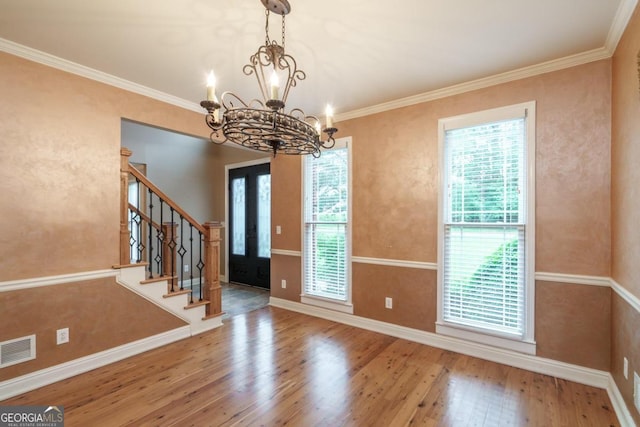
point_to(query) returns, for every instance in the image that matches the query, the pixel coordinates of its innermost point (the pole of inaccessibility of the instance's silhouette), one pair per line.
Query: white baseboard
(541, 365)
(588, 376)
(43, 377)
(619, 405)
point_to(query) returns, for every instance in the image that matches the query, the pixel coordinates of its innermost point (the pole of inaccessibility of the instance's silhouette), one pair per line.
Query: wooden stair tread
(175, 293)
(213, 316)
(158, 279)
(196, 304)
(121, 266)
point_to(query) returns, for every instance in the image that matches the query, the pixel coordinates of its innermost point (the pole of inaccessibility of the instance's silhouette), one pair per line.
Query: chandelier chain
(267, 41)
(283, 16)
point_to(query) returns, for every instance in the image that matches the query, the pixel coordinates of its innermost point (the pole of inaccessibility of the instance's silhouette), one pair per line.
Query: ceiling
(356, 53)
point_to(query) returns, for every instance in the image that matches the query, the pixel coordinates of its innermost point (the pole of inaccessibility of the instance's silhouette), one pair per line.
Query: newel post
(125, 248)
(212, 290)
(170, 231)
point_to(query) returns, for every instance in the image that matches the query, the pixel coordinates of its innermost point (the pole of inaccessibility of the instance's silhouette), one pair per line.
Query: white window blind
(485, 229)
(326, 216)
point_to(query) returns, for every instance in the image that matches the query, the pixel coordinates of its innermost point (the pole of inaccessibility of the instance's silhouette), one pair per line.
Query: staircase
(133, 276)
(165, 255)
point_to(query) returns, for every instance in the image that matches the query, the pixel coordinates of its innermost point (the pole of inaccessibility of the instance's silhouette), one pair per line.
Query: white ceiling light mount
(263, 124)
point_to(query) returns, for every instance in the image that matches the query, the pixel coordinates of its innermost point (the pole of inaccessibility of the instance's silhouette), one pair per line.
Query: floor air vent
(17, 350)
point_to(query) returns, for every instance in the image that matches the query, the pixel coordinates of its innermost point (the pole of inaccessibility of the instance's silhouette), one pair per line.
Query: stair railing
(156, 231)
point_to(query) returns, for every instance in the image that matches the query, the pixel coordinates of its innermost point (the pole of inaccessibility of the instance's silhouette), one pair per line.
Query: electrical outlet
(625, 368)
(284, 284)
(186, 268)
(388, 302)
(62, 336)
(636, 390)
(278, 229)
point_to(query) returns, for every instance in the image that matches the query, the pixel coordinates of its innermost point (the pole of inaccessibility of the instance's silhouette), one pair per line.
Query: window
(486, 227)
(326, 237)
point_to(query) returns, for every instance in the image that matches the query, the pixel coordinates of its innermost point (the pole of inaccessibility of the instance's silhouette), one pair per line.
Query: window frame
(526, 342)
(315, 300)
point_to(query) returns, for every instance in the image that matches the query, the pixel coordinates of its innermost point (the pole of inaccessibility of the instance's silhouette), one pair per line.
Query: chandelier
(264, 125)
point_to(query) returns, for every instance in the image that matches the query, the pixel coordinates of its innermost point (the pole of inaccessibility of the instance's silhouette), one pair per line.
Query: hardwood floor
(275, 367)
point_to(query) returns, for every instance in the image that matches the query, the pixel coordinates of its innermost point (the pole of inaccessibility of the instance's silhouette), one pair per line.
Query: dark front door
(250, 225)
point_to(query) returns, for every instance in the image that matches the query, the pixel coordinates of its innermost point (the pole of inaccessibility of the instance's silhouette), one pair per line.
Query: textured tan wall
(288, 268)
(286, 202)
(625, 206)
(413, 292)
(395, 174)
(395, 190)
(573, 323)
(100, 315)
(625, 153)
(59, 159)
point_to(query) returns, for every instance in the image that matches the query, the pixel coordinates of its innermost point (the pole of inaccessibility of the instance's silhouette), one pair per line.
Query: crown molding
(90, 73)
(509, 76)
(620, 22)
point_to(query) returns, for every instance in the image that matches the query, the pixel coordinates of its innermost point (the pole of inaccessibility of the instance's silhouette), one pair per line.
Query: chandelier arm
(227, 100)
(328, 144)
(288, 63)
(211, 121)
(216, 140)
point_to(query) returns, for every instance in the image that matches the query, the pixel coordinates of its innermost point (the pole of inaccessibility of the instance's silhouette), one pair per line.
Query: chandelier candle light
(264, 125)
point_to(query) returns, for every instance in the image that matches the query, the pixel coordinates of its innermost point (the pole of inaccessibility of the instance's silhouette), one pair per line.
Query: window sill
(341, 306)
(521, 346)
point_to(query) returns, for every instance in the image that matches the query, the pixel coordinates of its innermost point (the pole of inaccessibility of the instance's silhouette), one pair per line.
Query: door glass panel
(238, 187)
(264, 216)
